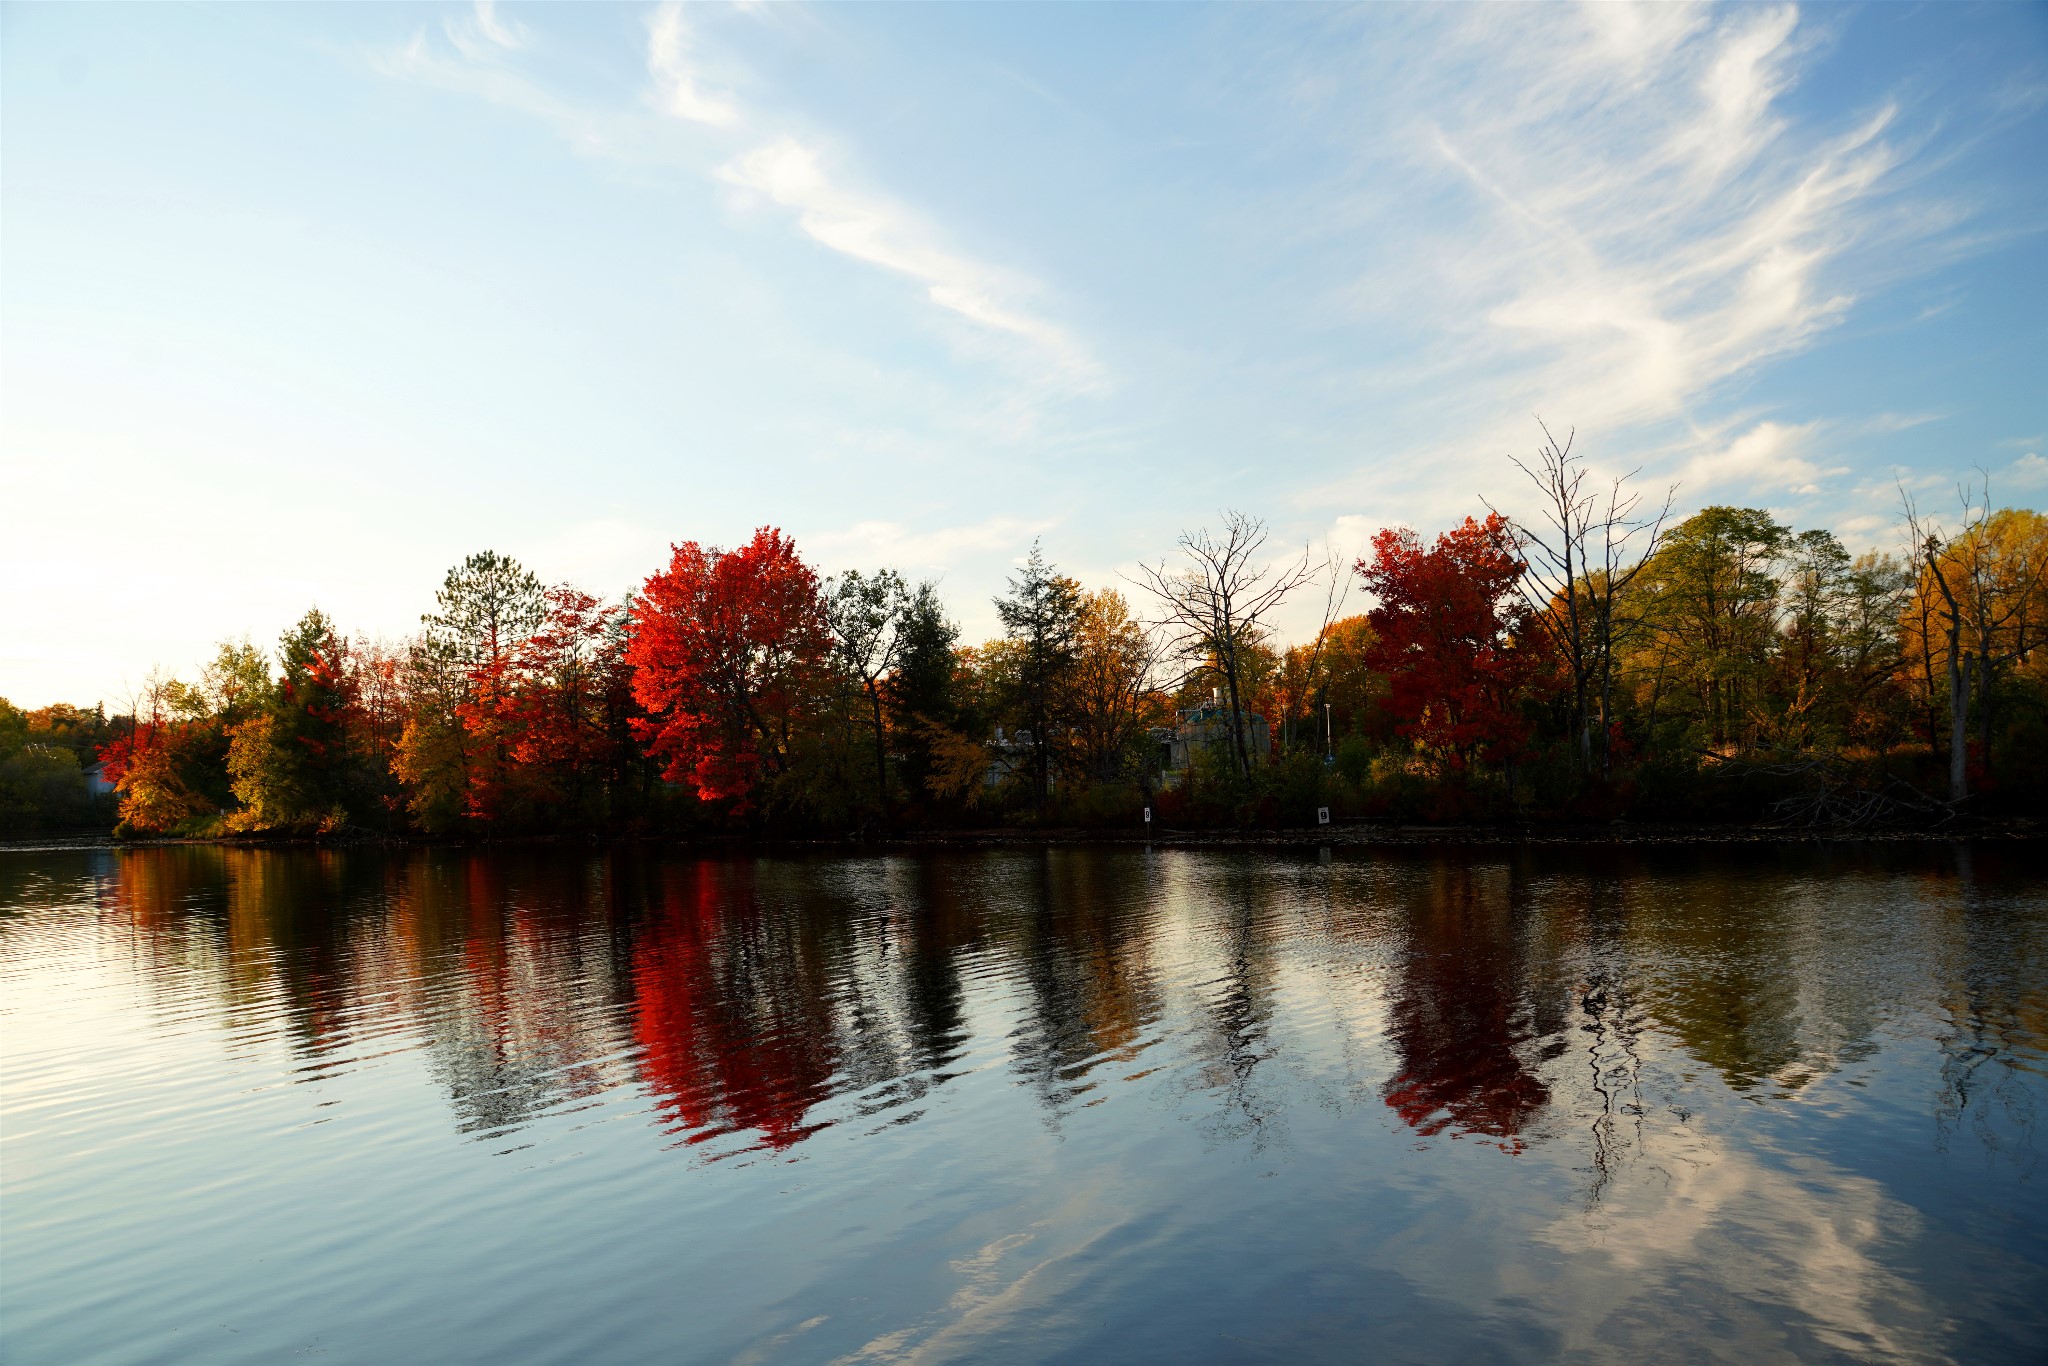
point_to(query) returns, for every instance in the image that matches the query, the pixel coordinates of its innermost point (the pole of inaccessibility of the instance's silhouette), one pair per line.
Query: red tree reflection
(1457, 1021)
(733, 1018)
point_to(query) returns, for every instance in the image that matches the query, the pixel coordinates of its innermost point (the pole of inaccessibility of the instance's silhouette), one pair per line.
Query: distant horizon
(302, 305)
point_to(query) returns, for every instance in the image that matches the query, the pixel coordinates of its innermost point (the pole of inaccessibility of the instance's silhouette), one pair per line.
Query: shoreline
(1360, 835)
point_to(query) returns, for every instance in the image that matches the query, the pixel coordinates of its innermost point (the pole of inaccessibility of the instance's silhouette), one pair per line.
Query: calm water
(1016, 1106)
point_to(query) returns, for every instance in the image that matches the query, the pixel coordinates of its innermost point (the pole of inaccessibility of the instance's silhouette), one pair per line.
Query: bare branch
(1216, 605)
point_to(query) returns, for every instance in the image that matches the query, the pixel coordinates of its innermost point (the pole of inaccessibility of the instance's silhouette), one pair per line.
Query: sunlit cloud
(2030, 471)
(485, 26)
(676, 80)
(1648, 223)
(1769, 457)
(874, 231)
(877, 542)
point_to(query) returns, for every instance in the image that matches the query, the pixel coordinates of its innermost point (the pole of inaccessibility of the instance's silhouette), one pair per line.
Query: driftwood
(1841, 797)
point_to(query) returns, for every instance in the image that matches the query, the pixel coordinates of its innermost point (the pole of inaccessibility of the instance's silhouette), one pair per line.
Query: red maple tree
(1449, 638)
(569, 663)
(727, 652)
(490, 716)
(538, 719)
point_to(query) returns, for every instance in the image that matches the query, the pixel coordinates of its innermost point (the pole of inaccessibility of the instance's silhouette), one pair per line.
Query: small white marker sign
(1148, 815)
(1322, 815)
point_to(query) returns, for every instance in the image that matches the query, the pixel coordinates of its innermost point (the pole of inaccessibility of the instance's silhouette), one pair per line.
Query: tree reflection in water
(1791, 1091)
(734, 1016)
(1082, 943)
(761, 1001)
(1994, 1049)
(1459, 1022)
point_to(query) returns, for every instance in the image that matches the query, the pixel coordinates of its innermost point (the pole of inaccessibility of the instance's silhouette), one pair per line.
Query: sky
(300, 304)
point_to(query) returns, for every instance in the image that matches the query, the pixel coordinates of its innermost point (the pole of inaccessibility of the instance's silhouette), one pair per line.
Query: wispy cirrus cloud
(871, 229)
(786, 165)
(486, 26)
(1616, 219)
(796, 173)
(480, 59)
(2028, 472)
(680, 89)
(1653, 232)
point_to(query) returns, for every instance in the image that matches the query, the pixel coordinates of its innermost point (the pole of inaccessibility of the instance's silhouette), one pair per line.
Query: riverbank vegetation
(1602, 660)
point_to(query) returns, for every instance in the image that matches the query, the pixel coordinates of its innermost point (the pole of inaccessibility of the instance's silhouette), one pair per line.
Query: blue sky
(300, 304)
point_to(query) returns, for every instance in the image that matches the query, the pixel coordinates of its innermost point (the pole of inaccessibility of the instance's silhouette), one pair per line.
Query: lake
(1088, 1105)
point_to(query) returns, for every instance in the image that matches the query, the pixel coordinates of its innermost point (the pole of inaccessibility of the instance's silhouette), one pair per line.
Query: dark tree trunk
(1959, 719)
(881, 752)
(1984, 709)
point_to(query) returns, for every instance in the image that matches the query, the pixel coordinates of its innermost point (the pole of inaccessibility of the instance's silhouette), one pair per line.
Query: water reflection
(1082, 943)
(745, 996)
(1461, 1014)
(735, 1008)
(1561, 1102)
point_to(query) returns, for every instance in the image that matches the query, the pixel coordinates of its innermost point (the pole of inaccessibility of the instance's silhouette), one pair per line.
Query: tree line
(1600, 660)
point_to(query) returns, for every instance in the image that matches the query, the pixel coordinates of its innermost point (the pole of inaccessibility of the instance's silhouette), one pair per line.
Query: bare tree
(1335, 594)
(1986, 587)
(1930, 547)
(866, 615)
(1579, 565)
(1215, 607)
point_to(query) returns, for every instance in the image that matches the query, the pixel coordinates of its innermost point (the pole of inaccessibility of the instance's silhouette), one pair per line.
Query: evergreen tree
(1042, 619)
(488, 604)
(921, 692)
(292, 763)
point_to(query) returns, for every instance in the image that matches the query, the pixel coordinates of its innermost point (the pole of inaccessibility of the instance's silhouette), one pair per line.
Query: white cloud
(487, 24)
(611, 555)
(481, 67)
(1349, 538)
(607, 555)
(676, 80)
(1769, 457)
(1900, 422)
(1613, 219)
(2030, 471)
(786, 169)
(872, 230)
(893, 543)
(1661, 251)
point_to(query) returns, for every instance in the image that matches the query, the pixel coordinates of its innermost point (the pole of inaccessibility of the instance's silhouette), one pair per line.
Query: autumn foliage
(1448, 637)
(726, 654)
(1681, 676)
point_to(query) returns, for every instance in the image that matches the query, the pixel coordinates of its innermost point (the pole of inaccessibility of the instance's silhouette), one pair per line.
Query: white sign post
(1322, 815)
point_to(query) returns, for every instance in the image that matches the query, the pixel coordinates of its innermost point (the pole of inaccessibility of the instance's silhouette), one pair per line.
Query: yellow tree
(1980, 607)
(1110, 695)
(1326, 685)
(2007, 559)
